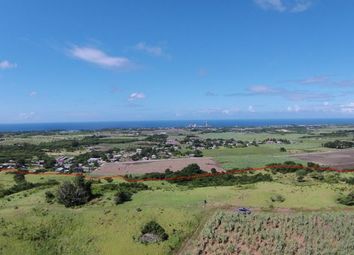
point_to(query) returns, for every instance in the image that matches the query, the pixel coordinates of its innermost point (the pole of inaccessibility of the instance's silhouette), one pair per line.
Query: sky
(91, 60)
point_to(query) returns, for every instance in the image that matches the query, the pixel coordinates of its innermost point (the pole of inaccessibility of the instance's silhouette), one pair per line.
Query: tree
(19, 178)
(122, 197)
(75, 193)
(282, 149)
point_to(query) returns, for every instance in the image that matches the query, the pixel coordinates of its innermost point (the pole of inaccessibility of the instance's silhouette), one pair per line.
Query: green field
(30, 225)
(33, 226)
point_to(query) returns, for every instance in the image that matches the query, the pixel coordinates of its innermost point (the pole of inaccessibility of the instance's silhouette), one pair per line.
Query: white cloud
(33, 93)
(5, 64)
(156, 51)
(348, 108)
(276, 5)
(251, 108)
(301, 6)
(98, 57)
(294, 108)
(136, 96)
(27, 115)
(294, 6)
(262, 89)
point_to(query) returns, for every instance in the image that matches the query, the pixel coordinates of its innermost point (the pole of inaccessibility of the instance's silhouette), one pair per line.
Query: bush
(282, 149)
(108, 179)
(122, 197)
(277, 198)
(19, 178)
(153, 227)
(347, 200)
(49, 197)
(75, 193)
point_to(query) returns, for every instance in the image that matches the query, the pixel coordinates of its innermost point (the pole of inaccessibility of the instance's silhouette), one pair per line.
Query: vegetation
(75, 193)
(153, 228)
(21, 185)
(337, 144)
(193, 176)
(348, 199)
(266, 233)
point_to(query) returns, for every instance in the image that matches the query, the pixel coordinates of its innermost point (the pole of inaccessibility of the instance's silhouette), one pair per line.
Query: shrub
(49, 196)
(108, 179)
(153, 227)
(282, 149)
(347, 200)
(277, 198)
(75, 193)
(19, 178)
(122, 197)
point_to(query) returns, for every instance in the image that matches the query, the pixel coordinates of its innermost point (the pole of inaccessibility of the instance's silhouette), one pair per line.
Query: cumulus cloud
(5, 64)
(156, 51)
(284, 5)
(136, 96)
(100, 58)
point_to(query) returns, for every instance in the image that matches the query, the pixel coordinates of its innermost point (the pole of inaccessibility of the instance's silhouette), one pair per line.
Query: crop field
(142, 167)
(277, 233)
(341, 159)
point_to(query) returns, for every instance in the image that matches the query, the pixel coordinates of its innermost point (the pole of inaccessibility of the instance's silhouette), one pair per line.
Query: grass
(104, 228)
(249, 157)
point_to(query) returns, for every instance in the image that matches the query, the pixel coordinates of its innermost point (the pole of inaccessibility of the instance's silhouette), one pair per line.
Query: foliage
(337, 144)
(122, 197)
(159, 138)
(268, 233)
(192, 176)
(75, 193)
(348, 199)
(277, 198)
(49, 196)
(153, 227)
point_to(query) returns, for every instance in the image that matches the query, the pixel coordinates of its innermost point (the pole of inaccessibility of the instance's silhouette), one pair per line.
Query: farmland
(30, 224)
(138, 167)
(277, 233)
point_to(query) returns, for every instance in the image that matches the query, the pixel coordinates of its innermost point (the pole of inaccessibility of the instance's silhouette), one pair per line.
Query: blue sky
(63, 61)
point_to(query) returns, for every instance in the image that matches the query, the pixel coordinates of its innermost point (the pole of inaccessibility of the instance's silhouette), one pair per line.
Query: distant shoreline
(77, 126)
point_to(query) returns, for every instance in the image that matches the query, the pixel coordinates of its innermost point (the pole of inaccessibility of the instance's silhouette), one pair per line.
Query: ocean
(74, 126)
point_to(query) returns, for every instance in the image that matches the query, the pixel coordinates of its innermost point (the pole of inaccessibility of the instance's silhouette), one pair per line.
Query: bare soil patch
(142, 167)
(341, 159)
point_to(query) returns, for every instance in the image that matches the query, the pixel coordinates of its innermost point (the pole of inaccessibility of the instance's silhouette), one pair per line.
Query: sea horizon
(100, 125)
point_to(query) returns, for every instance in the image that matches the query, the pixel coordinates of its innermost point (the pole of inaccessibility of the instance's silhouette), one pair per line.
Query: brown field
(141, 167)
(341, 159)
